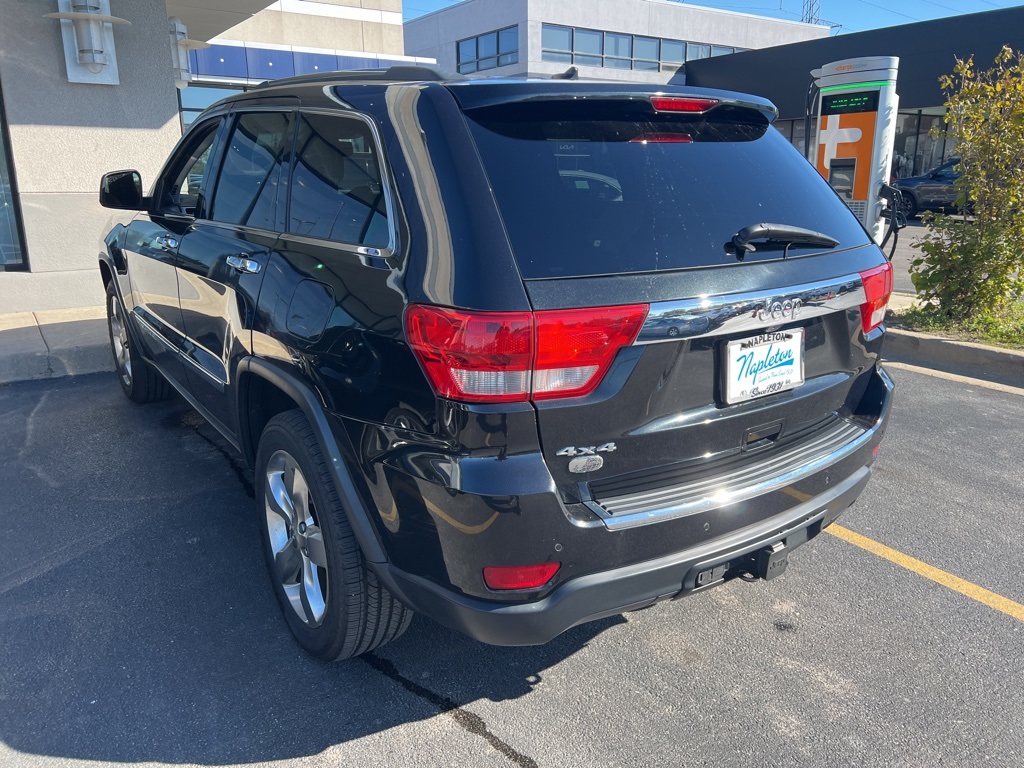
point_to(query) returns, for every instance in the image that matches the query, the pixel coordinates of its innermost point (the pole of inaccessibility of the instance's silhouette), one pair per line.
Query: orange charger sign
(847, 132)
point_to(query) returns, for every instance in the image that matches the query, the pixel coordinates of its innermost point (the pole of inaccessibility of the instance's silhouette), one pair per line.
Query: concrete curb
(48, 345)
(978, 360)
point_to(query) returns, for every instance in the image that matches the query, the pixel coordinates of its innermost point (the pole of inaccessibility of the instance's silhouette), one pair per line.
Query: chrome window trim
(386, 179)
(738, 312)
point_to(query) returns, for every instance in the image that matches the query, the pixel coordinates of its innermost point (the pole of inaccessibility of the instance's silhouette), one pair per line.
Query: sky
(851, 15)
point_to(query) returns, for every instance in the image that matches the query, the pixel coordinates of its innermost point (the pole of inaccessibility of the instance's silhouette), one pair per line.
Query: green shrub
(971, 265)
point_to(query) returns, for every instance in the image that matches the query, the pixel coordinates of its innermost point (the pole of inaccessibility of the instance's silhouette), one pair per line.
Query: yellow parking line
(973, 591)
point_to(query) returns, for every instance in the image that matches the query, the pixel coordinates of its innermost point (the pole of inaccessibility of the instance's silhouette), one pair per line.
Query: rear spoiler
(479, 94)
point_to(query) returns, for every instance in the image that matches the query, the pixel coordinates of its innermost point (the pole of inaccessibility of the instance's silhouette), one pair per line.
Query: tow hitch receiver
(772, 561)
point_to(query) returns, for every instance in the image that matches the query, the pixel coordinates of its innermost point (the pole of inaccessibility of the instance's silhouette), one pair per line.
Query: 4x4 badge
(587, 458)
(586, 450)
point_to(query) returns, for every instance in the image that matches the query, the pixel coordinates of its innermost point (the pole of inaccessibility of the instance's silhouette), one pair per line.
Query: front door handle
(242, 263)
(167, 242)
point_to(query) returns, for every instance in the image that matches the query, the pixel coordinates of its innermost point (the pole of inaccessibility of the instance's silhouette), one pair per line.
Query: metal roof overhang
(206, 19)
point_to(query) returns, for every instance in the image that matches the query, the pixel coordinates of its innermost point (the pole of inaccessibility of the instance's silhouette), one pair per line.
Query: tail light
(502, 357)
(877, 290)
(690, 104)
(575, 347)
(519, 576)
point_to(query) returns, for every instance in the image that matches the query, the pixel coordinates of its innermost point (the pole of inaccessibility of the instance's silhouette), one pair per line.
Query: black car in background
(515, 355)
(934, 191)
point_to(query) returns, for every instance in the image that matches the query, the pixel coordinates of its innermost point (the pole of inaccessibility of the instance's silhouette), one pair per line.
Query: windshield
(589, 189)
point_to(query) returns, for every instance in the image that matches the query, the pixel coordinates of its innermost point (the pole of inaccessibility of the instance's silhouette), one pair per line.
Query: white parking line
(1006, 388)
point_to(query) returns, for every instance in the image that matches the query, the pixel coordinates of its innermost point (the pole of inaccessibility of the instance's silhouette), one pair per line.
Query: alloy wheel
(119, 342)
(296, 540)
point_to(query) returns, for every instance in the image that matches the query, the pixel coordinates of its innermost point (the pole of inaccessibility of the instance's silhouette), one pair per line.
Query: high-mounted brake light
(877, 290)
(519, 576)
(501, 357)
(662, 138)
(682, 104)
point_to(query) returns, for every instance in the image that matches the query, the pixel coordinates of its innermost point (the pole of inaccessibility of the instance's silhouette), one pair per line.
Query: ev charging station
(856, 108)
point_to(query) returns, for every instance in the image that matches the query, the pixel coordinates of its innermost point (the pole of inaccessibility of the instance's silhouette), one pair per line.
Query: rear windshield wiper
(772, 237)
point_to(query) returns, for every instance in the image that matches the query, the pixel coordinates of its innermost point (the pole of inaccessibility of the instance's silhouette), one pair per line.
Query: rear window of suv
(591, 188)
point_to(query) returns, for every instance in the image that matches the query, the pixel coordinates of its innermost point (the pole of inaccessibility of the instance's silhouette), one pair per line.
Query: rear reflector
(662, 138)
(682, 104)
(877, 290)
(501, 357)
(519, 576)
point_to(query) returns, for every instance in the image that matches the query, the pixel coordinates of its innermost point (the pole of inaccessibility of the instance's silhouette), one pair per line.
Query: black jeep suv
(514, 354)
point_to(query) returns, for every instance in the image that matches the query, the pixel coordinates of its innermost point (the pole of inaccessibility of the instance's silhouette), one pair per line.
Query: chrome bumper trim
(801, 461)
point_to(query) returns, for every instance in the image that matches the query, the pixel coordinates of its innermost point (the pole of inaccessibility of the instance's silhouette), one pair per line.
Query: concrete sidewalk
(46, 345)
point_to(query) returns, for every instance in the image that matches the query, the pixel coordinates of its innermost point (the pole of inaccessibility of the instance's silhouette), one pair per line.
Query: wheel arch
(265, 390)
(106, 273)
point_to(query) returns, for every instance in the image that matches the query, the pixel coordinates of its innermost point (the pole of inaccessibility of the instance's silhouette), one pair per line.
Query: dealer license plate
(763, 365)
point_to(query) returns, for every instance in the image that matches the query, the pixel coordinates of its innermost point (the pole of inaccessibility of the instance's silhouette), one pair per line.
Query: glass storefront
(915, 150)
(11, 254)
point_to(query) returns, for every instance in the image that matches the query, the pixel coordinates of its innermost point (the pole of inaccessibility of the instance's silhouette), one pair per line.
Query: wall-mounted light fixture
(180, 47)
(87, 29)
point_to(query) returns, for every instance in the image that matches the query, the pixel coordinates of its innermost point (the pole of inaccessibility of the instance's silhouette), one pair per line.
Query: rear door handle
(242, 263)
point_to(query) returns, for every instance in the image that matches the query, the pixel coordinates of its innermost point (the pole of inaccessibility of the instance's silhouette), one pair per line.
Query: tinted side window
(336, 190)
(183, 182)
(252, 174)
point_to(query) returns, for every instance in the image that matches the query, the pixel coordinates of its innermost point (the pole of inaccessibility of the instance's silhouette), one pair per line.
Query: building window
(695, 51)
(556, 43)
(242, 62)
(11, 255)
(194, 99)
(494, 49)
(594, 48)
(673, 54)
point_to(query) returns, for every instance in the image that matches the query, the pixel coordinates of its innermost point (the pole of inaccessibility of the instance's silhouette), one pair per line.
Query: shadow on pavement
(138, 623)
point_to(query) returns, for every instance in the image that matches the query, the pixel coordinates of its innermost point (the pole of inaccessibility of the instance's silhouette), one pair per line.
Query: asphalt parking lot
(138, 625)
(904, 254)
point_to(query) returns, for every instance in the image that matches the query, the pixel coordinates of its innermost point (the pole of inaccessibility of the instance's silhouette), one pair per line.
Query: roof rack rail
(396, 73)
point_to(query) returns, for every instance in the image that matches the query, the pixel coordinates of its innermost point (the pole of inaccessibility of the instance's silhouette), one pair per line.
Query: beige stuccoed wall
(350, 34)
(64, 136)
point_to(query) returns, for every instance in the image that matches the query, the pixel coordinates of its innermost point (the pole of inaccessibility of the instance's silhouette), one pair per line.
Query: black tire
(909, 205)
(140, 382)
(338, 610)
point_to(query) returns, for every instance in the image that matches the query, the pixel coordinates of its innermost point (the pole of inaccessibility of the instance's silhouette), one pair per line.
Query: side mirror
(122, 190)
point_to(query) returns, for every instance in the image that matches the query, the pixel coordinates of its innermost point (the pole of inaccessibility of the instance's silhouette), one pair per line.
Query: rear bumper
(610, 592)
